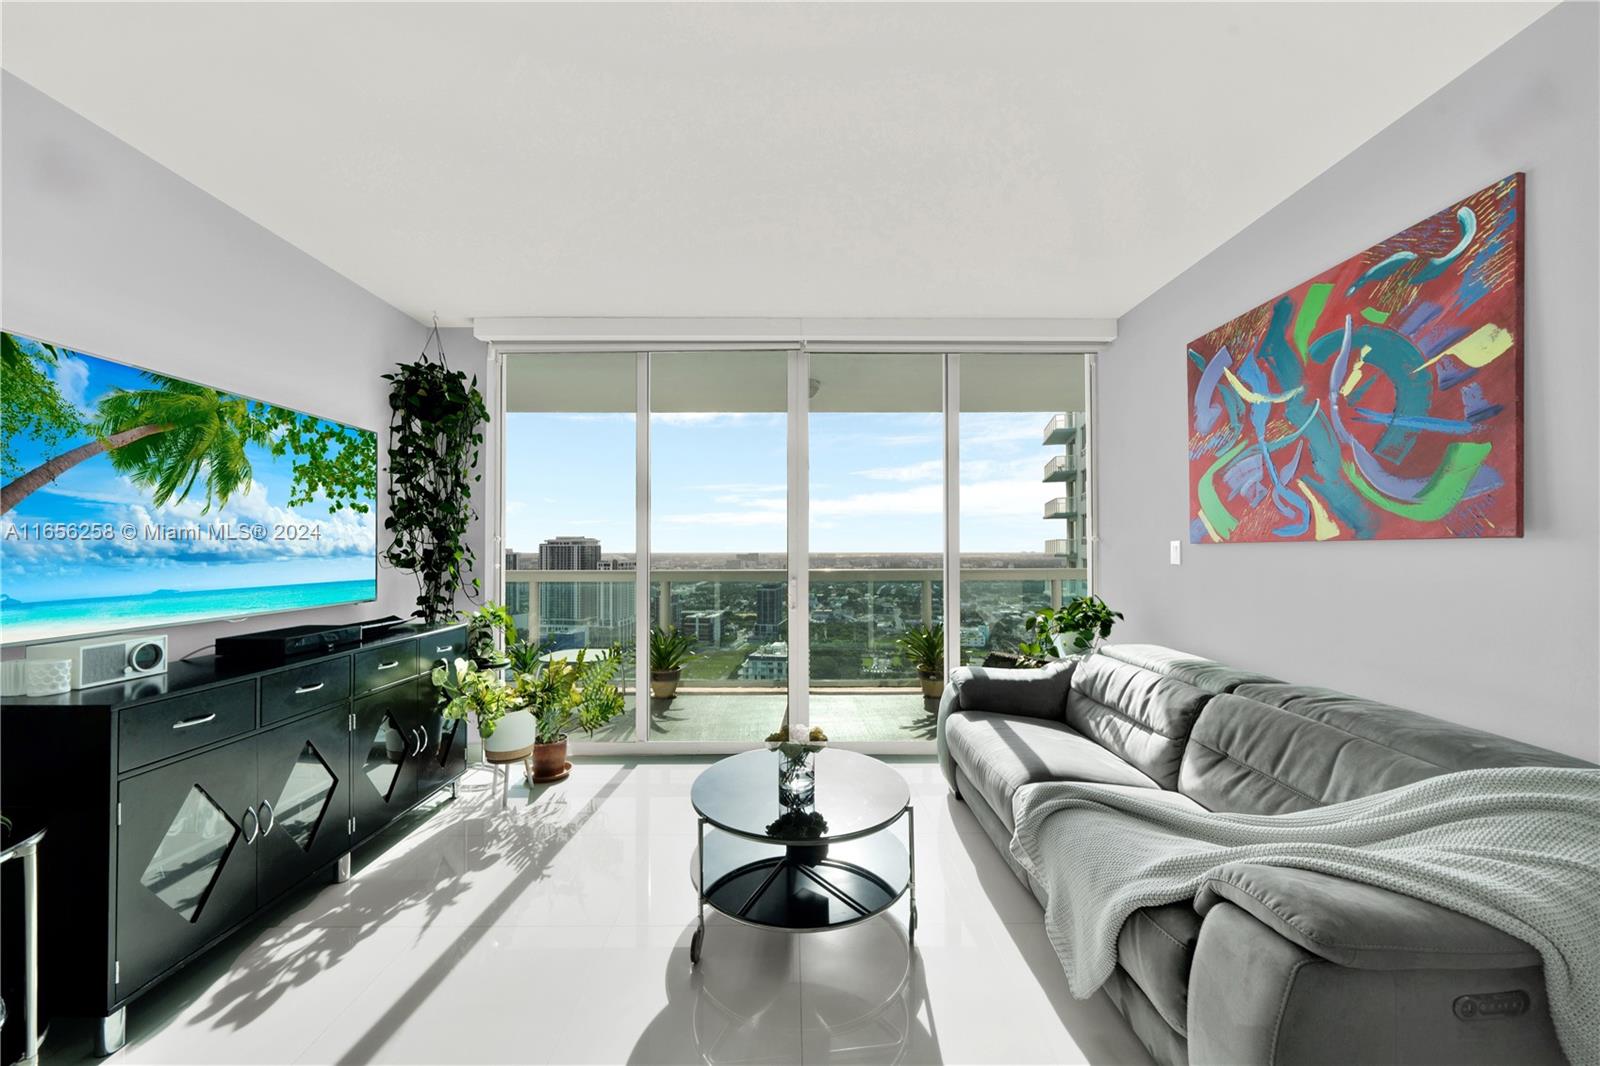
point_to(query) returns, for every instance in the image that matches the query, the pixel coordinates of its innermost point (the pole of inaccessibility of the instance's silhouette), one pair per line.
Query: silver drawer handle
(202, 720)
(305, 690)
(255, 825)
(272, 817)
(389, 665)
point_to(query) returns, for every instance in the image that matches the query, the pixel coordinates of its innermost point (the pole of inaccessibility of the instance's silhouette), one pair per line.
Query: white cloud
(930, 470)
(72, 379)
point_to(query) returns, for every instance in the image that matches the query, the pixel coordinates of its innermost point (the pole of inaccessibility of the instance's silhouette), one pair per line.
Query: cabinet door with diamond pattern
(185, 870)
(305, 795)
(389, 744)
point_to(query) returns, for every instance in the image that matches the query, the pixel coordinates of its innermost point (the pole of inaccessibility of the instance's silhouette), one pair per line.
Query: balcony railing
(1062, 428)
(1062, 467)
(1064, 507)
(855, 616)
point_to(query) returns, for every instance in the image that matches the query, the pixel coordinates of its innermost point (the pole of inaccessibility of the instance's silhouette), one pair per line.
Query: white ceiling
(761, 159)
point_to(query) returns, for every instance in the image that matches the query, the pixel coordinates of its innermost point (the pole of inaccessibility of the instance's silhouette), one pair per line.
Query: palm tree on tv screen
(175, 436)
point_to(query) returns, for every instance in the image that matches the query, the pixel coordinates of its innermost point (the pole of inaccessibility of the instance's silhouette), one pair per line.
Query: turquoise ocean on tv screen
(63, 618)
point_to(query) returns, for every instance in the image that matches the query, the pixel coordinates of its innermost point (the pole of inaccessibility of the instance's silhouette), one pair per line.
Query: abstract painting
(1380, 400)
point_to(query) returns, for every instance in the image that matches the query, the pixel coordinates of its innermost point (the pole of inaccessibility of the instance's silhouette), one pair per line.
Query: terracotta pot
(664, 683)
(932, 686)
(550, 761)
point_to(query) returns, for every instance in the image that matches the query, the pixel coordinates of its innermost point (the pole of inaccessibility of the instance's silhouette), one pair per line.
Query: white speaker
(103, 660)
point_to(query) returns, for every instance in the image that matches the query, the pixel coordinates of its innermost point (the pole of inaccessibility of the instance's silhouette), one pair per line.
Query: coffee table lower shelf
(802, 888)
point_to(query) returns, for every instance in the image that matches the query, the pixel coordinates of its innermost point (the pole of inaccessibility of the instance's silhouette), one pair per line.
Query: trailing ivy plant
(436, 426)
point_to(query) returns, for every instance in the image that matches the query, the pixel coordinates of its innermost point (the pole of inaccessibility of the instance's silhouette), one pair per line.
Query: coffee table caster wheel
(695, 944)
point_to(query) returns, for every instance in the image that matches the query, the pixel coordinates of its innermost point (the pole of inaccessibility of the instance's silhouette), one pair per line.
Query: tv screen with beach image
(130, 500)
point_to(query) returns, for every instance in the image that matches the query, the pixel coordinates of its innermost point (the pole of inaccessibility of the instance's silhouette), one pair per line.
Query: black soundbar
(271, 646)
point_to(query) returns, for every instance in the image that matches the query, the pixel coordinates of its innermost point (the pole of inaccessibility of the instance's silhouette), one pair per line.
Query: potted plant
(668, 650)
(436, 425)
(486, 628)
(504, 723)
(1076, 629)
(566, 694)
(923, 647)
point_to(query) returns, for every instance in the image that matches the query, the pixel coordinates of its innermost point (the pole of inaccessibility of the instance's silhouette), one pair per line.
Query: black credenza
(179, 806)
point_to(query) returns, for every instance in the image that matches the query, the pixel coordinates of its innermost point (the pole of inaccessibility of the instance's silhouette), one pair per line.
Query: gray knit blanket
(1516, 848)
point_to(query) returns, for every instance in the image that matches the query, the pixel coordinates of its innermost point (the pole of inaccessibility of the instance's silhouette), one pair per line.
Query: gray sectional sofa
(1281, 965)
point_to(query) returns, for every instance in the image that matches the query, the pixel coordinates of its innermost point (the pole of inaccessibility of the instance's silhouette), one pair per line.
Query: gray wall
(1500, 634)
(108, 252)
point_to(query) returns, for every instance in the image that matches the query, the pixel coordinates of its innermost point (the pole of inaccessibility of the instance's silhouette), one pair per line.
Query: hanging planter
(436, 426)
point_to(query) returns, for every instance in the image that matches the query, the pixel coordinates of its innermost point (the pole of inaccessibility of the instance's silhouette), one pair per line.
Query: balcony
(1064, 507)
(1063, 467)
(736, 687)
(1063, 428)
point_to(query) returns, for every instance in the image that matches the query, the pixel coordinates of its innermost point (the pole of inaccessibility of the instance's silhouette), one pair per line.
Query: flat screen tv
(134, 500)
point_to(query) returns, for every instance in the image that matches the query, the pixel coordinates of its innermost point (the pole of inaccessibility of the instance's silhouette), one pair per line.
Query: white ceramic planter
(1065, 648)
(515, 732)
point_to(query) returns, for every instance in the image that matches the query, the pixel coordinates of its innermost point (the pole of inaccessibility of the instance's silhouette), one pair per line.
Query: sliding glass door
(569, 514)
(810, 527)
(876, 540)
(1023, 508)
(719, 559)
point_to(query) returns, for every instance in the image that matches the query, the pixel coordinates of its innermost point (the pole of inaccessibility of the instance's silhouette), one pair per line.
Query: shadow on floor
(866, 1002)
(238, 994)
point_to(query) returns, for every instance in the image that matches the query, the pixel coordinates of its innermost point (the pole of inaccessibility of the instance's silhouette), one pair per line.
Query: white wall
(1498, 634)
(107, 252)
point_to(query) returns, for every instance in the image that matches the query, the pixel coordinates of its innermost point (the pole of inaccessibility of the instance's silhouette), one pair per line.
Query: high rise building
(569, 553)
(769, 612)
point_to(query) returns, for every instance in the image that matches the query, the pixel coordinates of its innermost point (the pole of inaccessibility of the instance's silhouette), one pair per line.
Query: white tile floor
(557, 932)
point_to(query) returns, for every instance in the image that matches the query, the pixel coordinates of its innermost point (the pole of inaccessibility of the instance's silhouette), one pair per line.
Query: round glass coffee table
(824, 864)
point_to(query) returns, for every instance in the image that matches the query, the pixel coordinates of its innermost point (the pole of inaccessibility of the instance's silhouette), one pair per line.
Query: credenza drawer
(152, 731)
(442, 647)
(303, 688)
(384, 665)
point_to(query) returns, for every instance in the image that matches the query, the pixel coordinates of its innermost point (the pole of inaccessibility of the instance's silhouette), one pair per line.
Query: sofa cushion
(1361, 925)
(1423, 737)
(1142, 716)
(1155, 948)
(1038, 693)
(1313, 747)
(1000, 753)
(1204, 674)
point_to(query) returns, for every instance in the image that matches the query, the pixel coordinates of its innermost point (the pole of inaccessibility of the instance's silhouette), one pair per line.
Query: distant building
(569, 553)
(704, 626)
(769, 612)
(770, 662)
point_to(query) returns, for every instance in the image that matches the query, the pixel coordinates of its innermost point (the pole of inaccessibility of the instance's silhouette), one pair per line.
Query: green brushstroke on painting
(1372, 314)
(1442, 492)
(1310, 311)
(1222, 523)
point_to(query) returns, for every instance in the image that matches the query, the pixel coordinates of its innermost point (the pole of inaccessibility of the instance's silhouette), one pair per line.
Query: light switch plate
(1176, 552)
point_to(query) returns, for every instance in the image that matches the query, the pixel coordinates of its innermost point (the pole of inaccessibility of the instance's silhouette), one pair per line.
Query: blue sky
(718, 481)
(35, 570)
